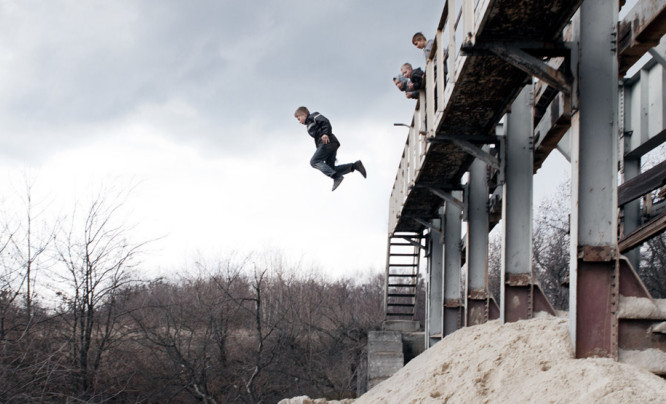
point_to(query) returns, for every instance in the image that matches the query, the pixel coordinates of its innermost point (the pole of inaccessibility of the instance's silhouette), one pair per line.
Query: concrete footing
(391, 348)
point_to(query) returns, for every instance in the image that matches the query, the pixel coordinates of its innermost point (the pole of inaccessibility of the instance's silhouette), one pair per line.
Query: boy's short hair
(418, 36)
(302, 110)
(406, 65)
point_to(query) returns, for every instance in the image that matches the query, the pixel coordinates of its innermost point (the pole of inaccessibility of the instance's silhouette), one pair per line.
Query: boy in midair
(327, 147)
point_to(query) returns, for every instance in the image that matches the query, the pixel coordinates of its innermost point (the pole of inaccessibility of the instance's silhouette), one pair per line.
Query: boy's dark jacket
(318, 126)
(417, 78)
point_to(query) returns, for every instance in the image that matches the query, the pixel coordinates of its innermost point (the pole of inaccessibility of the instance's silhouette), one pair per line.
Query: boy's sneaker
(337, 181)
(358, 166)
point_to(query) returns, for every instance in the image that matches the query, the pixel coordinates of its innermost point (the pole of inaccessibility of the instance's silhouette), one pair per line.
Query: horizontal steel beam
(640, 30)
(642, 184)
(644, 233)
(469, 138)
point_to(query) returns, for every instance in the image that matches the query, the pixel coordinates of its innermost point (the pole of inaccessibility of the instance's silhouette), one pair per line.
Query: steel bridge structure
(526, 78)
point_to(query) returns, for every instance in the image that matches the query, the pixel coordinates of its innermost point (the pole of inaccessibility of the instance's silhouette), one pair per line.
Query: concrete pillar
(476, 295)
(435, 290)
(452, 300)
(593, 289)
(515, 291)
(385, 356)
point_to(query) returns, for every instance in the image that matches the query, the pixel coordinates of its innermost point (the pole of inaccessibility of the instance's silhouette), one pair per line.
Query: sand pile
(527, 361)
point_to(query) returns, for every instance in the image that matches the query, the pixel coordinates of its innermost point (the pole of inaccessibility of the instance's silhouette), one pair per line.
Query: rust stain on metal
(477, 295)
(452, 303)
(596, 300)
(477, 312)
(518, 303)
(590, 253)
(519, 279)
(636, 335)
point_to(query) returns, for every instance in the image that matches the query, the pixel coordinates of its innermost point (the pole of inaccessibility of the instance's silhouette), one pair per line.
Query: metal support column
(631, 168)
(452, 300)
(593, 298)
(515, 299)
(632, 211)
(476, 293)
(435, 292)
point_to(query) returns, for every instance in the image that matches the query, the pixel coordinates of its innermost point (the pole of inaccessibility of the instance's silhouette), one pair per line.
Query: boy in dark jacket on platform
(416, 79)
(327, 147)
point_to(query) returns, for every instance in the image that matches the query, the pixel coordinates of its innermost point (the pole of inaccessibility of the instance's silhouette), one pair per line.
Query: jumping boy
(327, 147)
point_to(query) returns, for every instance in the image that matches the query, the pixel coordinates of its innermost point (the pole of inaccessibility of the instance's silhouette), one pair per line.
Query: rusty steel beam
(638, 328)
(630, 283)
(540, 301)
(477, 307)
(644, 233)
(597, 305)
(593, 297)
(642, 184)
(640, 30)
(637, 334)
(518, 297)
(493, 309)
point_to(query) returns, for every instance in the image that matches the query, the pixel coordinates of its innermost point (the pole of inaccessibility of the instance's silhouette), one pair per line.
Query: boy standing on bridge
(327, 147)
(419, 40)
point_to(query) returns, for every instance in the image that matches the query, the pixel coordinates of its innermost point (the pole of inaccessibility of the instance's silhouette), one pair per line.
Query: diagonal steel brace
(532, 66)
(477, 152)
(446, 196)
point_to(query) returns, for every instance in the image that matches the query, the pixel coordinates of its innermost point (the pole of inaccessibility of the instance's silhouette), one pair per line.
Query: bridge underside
(483, 88)
(552, 75)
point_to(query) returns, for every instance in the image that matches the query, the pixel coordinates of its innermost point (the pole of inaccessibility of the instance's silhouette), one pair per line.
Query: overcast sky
(194, 100)
(191, 103)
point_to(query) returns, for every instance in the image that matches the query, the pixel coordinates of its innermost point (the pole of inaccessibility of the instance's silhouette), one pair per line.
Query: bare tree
(188, 328)
(97, 261)
(267, 317)
(551, 246)
(26, 358)
(653, 266)
(494, 265)
(27, 238)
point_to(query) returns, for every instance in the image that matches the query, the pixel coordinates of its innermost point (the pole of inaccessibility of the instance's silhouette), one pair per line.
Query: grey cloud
(231, 61)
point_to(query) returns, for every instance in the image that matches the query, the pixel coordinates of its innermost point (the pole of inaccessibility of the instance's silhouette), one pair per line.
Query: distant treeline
(233, 336)
(79, 324)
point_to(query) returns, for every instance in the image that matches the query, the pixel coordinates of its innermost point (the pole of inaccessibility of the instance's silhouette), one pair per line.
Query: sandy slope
(527, 361)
